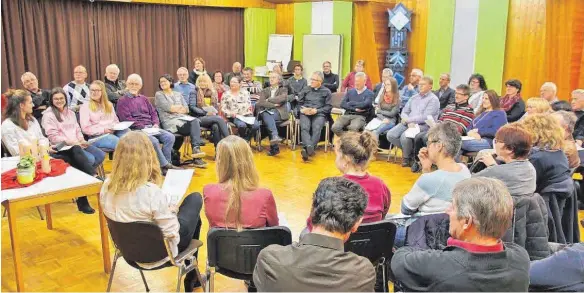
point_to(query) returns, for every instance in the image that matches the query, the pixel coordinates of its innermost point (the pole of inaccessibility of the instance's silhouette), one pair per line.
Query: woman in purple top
(483, 128)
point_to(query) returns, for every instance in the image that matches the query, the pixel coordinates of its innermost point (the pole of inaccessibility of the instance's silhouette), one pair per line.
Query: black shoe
(197, 153)
(199, 163)
(274, 150)
(310, 150)
(304, 154)
(416, 167)
(406, 162)
(83, 206)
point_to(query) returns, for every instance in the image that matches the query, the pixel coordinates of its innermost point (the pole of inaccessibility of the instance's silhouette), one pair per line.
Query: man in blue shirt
(412, 88)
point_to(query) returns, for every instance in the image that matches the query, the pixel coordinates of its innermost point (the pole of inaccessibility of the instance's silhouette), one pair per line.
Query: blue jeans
(476, 145)
(270, 122)
(94, 155)
(167, 140)
(383, 128)
(245, 130)
(110, 142)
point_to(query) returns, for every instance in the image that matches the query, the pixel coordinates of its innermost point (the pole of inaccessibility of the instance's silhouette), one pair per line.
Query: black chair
(374, 241)
(143, 242)
(234, 254)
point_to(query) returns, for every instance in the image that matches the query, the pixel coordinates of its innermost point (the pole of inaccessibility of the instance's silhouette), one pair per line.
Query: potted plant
(26, 170)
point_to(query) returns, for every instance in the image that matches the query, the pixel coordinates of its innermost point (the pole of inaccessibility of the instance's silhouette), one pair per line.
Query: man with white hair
(236, 72)
(114, 87)
(578, 108)
(40, 97)
(77, 90)
(548, 91)
(386, 73)
(412, 88)
(315, 106)
(135, 107)
(272, 107)
(475, 258)
(186, 88)
(357, 103)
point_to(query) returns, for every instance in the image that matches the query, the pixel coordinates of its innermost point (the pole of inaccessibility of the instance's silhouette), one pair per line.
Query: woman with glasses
(97, 118)
(478, 86)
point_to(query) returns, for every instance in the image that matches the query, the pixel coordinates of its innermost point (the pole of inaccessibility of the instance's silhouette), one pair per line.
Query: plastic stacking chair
(234, 254)
(143, 242)
(374, 241)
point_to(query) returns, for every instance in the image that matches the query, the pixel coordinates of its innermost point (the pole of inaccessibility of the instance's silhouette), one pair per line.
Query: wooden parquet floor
(68, 258)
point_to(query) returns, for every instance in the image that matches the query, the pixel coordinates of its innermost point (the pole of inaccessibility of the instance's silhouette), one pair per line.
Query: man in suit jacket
(445, 93)
(272, 108)
(319, 262)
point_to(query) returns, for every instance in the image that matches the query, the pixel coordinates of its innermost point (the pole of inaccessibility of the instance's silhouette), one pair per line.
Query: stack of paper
(123, 125)
(186, 118)
(210, 109)
(176, 184)
(247, 119)
(151, 131)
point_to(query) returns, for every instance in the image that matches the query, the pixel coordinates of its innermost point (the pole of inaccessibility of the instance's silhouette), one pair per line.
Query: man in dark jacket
(40, 97)
(315, 106)
(114, 87)
(272, 107)
(331, 80)
(475, 259)
(445, 93)
(578, 108)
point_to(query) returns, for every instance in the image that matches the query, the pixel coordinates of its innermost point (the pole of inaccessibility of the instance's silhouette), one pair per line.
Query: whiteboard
(317, 49)
(280, 49)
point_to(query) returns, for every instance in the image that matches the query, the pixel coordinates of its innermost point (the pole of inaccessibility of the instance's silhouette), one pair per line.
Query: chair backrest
(141, 242)
(238, 251)
(373, 241)
(336, 100)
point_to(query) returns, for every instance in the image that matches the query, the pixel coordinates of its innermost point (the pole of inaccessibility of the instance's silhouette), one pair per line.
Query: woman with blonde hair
(537, 106)
(98, 118)
(207, 96)
(388, 108)
(553, 181)
(237, 201)
(132, 193)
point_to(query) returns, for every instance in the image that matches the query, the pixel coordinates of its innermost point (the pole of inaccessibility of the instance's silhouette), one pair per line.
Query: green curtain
(259, 23)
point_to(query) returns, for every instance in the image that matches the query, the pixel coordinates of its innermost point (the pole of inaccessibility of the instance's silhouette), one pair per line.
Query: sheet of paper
(282, 220)
(65, 148)
(430, 121)
(404, 116)
(247, 119)
(176, 184)
(467, 138)
(92, 140)
(209, 109)
(151, 131)
(123, 125)
(373, 124)
(186, 118)
(411, 132)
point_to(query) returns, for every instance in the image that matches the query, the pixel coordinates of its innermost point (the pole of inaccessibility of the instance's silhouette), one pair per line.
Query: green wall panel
(259, 23)
(302, 26)
(439, 38)
(343, 25)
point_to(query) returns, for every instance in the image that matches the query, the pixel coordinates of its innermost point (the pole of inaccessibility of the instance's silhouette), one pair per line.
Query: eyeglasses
(315, 79)
(460, 94)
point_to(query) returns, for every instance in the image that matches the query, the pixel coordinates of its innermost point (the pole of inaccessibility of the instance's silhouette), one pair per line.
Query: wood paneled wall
(285, 19)
(525, 45)
(374, 15)
(214, 3)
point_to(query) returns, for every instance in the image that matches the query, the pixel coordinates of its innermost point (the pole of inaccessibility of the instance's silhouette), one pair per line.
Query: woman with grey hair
(568, 121)
(476, 258)
(432, 192)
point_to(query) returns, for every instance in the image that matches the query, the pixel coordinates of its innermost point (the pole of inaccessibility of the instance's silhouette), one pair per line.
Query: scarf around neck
(507, 102)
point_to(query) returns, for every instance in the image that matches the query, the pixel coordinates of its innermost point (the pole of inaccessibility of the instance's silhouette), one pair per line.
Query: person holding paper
(432, 192)
(21, 126)
(357, 102)
(273, 109)
(237, 201)
(315, 108)
(387, 109)
(236, 103)
(173, 111)
(484, 126)
(208, 114)
(135, 107)
(60, 125)
(97, 118)
(414, 114)
(133, 193)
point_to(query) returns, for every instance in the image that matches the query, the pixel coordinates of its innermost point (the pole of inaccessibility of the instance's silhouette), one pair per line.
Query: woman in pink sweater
(354, 151)
(98, 117)
(237, 201)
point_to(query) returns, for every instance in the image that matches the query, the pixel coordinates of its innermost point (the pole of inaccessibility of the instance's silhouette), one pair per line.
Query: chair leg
(326, 136)
(199, 275)
(212, 280)
(111, 278)
(144, 280)
(40, 213)
(385, 288)
(180, 270)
